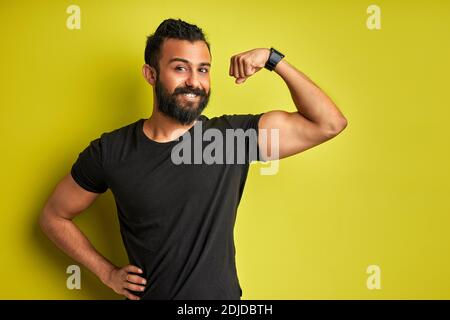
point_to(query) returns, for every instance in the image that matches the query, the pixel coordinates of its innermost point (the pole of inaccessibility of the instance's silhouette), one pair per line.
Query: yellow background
(377, 194)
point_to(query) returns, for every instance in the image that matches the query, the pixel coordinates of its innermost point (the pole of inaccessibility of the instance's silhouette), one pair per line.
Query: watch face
(274, 57)
(278, 53)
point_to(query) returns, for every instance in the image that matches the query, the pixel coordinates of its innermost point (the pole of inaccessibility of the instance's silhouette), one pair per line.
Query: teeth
(190, 95)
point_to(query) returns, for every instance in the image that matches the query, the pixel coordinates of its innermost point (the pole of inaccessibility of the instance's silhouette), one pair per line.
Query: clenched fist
(245, 64)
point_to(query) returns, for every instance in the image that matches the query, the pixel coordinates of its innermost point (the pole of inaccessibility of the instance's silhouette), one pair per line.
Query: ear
(149, 74)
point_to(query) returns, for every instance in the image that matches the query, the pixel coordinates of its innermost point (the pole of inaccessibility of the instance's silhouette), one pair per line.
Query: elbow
(51, 220)
(342, 124)
(45, 220)
(336, 127)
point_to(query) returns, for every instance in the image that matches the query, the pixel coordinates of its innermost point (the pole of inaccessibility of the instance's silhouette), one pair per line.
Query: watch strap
(274, 57)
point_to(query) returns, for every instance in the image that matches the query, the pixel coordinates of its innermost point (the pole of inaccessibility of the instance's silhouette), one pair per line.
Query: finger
(133, 287)
(236, 68)
(241, 68)
(130, 296)
(231, 67)
(134, 269)
(136, 279)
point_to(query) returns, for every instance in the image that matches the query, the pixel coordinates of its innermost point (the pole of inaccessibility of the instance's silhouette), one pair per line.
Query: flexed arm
(316, 120)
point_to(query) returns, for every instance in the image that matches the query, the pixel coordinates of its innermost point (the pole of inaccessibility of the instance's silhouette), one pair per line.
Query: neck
(162, 128)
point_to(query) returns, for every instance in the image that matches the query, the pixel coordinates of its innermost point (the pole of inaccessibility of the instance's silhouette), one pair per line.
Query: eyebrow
(187, 61)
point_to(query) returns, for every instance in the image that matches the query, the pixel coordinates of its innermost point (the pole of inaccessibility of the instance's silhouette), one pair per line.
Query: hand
(244, 64)
(121, 281)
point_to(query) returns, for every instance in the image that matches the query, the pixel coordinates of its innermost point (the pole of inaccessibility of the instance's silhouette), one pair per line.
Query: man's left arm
(316, 120)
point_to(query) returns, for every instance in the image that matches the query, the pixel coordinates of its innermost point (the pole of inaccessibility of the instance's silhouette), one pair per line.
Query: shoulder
(115, 141)
(235, 121)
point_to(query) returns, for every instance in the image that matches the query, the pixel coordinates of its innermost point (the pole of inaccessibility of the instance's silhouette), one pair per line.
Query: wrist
(274, 58)
(105, 274)
(280, 66)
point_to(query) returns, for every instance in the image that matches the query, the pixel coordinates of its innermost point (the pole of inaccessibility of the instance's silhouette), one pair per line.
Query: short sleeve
(88, 170)
(250, 124)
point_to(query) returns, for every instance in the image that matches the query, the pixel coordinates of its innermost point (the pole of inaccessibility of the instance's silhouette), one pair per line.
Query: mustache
(201, 93)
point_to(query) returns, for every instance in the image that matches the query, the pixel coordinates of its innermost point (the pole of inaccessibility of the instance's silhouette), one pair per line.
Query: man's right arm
(66, 202)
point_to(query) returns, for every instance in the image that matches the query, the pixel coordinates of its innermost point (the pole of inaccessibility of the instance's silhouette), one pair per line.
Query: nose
(192, 81)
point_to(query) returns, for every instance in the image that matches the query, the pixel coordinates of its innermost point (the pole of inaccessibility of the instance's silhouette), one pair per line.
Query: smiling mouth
(189, 96)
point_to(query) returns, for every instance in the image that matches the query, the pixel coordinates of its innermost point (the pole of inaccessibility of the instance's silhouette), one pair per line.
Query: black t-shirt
(176, 220)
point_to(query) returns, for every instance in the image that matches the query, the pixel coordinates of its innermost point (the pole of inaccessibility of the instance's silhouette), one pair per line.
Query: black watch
(274, 57)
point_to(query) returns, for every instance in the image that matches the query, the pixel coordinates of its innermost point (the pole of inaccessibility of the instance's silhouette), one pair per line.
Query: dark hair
(174, 29)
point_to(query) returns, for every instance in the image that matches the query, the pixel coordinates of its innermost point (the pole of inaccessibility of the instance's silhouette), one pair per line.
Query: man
(177, 219)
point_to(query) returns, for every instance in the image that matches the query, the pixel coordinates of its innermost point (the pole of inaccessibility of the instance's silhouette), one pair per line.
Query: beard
(185, 112)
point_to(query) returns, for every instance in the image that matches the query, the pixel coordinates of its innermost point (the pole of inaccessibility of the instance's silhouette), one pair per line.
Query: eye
(203, 70)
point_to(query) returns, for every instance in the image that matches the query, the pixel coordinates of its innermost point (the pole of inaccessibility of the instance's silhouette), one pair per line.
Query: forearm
(69, 238)
(310, 100)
